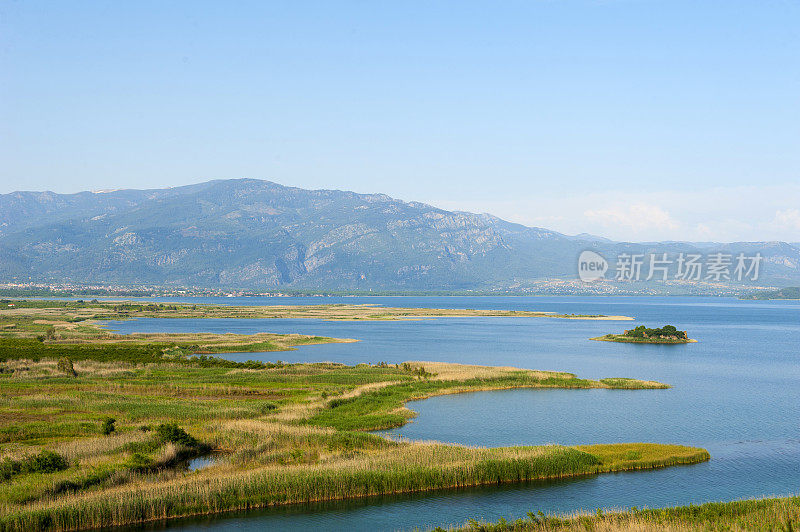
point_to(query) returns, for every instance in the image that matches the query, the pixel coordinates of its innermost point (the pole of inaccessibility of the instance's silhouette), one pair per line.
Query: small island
(667, 334)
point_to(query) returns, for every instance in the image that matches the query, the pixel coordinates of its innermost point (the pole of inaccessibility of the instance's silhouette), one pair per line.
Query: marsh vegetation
(96, 429)
(779, 515)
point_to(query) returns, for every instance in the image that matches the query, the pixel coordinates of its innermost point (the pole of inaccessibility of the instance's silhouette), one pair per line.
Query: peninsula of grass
(667, 334)
(56, 329)
(96, 428)
(778, 514)
(76, 329)
(382, 407)
(79, 311)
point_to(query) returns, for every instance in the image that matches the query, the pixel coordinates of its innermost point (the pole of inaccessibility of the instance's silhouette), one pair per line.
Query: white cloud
(787, 219)
(722, 214)
(638, 218)
(705, 232)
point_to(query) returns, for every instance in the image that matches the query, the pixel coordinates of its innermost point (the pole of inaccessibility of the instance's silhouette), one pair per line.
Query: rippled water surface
(736, 393)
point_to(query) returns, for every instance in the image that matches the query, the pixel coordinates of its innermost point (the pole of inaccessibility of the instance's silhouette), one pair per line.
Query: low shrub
(143, 447)
(44, 462)
(139, 462)
(65, 366)
(335, 403)
(108, 426)
(172, 433)
(267, 407)
(81, 483)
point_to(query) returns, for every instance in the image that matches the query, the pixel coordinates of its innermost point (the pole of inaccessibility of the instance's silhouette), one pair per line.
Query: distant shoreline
(157, 292)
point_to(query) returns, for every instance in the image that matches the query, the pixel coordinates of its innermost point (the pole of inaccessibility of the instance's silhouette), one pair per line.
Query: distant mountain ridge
(257, 234)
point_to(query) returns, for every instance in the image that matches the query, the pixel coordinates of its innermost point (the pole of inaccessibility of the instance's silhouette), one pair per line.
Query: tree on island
(667, 331)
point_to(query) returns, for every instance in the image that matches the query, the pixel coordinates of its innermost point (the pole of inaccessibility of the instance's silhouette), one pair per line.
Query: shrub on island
(667, 332)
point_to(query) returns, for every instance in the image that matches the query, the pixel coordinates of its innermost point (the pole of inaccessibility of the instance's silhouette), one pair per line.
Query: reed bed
(85, 448)
(403, 469)
(776, 514)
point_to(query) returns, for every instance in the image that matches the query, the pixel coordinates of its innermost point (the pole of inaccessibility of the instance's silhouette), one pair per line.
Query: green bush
(170, 432)
(139, 462)
(65, 366)
(108, 426)
(81, 483)
(44, 462)
(269, 406)
(8, 468)
(335, 403)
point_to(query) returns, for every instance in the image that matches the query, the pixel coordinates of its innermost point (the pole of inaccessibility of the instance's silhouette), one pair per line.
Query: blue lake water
(736, 393)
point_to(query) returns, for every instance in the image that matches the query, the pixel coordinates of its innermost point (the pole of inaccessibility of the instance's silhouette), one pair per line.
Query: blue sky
(633, 119)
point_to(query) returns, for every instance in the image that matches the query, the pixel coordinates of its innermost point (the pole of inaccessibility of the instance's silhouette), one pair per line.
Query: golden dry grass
(83, 448)
(453, 371)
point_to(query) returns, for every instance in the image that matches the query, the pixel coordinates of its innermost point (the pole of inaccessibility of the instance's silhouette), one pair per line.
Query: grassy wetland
(778, 514)
(94, 309)
(96, 429)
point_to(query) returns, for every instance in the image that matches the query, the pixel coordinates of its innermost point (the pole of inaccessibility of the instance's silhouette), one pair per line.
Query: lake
(736, 392)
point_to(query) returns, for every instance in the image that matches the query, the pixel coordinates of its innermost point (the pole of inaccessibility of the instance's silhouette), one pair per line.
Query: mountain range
(254, 234)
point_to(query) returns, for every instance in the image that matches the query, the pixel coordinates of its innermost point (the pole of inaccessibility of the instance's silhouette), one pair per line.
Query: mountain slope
(258, 234)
